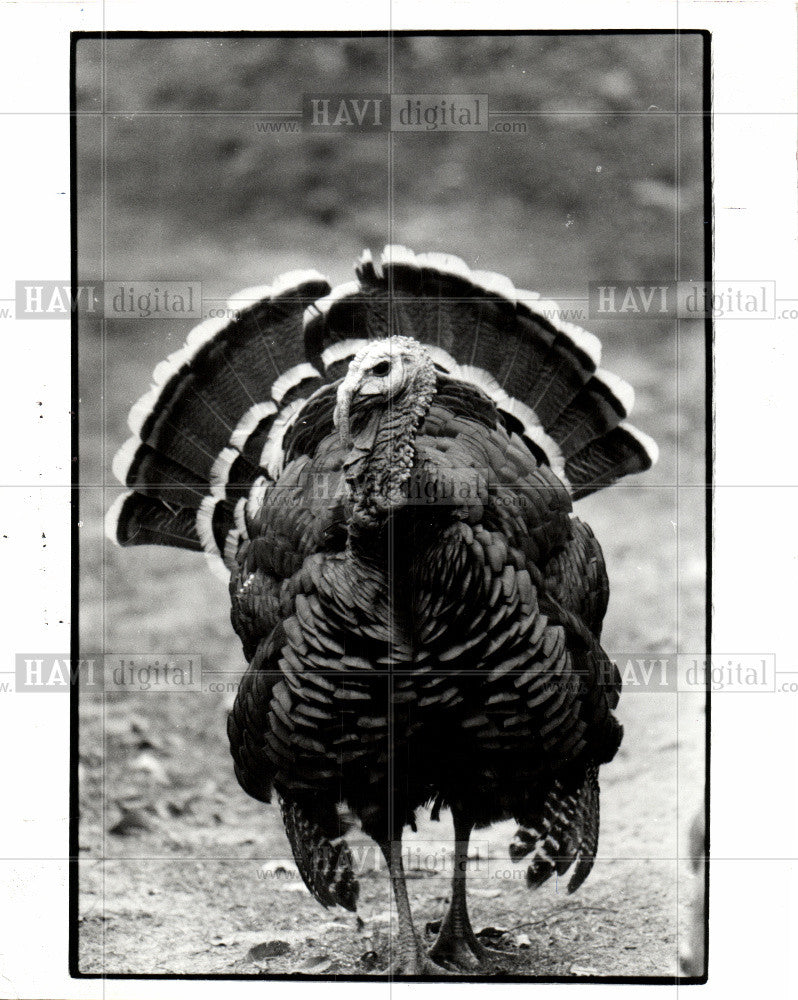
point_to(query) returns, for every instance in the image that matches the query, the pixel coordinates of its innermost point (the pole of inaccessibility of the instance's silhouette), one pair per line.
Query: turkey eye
(381, 369)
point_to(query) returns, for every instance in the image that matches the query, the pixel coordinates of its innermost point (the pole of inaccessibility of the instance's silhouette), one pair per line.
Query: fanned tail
(212, 427)
(564, 833)
(212, 423)
(542, 375)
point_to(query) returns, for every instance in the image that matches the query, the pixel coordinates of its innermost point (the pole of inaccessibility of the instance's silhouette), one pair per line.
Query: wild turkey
(385, 473)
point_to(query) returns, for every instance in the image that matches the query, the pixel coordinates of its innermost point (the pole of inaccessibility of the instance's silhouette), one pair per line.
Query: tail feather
(215, 519)
(622, 452)
(142, 468)
(323, 859)
(563, 833)
(135, 519)
(568, 365)
(600, 406)
(337, 321)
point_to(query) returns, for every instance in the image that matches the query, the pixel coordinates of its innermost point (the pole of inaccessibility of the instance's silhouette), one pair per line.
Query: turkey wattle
(385, 473)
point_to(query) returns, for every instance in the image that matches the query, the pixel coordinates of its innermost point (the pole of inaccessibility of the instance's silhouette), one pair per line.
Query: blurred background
(177, 179)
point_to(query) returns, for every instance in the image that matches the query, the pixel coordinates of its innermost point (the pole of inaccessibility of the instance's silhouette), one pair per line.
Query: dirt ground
(197, 878)
(180, 871)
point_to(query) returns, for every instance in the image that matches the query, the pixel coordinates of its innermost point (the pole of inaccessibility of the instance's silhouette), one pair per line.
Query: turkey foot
(415, 962)
(457, 945)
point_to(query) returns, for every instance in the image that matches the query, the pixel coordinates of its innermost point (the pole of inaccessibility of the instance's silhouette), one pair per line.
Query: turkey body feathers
(421, 619)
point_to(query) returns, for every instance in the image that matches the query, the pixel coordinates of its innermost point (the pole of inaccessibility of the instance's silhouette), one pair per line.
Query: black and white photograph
(397, 515)
(408, 544)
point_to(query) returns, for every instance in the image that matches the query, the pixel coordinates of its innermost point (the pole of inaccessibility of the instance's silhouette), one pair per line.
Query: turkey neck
(381, 459)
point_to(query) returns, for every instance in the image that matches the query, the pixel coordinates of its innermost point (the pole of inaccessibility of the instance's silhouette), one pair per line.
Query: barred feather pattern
(324, 864)
(213, 418)
(563, 834)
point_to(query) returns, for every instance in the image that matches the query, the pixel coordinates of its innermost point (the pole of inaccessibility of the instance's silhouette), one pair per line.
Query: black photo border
(74, 808)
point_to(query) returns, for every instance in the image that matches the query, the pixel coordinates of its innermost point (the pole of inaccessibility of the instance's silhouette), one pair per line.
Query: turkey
(385, 473)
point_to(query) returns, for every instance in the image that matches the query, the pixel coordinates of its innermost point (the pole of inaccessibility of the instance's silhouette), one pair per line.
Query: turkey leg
(411, 959)
(456, 943)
